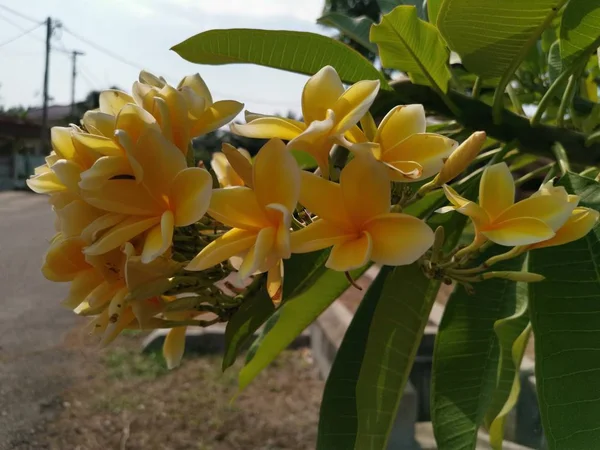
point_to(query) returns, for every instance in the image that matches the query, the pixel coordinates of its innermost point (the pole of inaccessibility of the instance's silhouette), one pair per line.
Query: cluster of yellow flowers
(136, 219)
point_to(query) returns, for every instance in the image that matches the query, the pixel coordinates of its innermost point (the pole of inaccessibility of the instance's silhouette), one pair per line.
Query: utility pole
(74, 55)
(44, 135)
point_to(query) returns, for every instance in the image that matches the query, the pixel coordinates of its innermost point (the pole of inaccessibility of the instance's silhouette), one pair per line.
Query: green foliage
(513, 334)
(579, 30)
(123, 363)
(565, 312)
(355, 28)
(293, 317)
(409, 44)
(466, 357)
(294, 51)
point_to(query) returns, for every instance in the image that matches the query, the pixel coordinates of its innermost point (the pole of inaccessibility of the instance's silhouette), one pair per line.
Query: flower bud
(526, 277)
(460, 158)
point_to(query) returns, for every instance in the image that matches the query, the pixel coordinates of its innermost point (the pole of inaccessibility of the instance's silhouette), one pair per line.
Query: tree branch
(476, 115)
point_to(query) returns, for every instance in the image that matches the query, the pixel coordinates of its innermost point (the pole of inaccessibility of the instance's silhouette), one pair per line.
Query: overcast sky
(141, 32)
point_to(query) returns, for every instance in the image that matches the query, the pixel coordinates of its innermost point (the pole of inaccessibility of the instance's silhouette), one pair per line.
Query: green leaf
(579, 30)
(337, 431)
(349, 387)
(294, 51)
(244, 323)
(395, 333)
(565, 314)
(293, 317)
(433, 9)
(301, 271)
(554, 62)
(513, 334)
(409, 44)
(304, 160)
(493, 37)
(356, 28)
(466, 354)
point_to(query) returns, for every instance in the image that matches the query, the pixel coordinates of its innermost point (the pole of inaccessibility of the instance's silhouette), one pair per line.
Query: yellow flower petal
(81, 286)
(404, 170)
(96, 122)
(113, 329)
(112, 101)
(276, 176)
(174, 346)
(427, 149)
(468, 208)
(240, 161)
(76, 216)
(275, 282)
(198, 86)
(121, 233)
(323, 198)
(269, 127)
(135, 120)
(64, 260)
(233, 242)
(496, 189)
(190, 195)
(319, 235)
(354, 104)
(320, 93)
(159, 238)
(365, 188)
(552, 210)
(178, 127)
(103, 170)
(237, 207)
(125, 197)
(45, 183)
(317, 141)
(90, 233)
(95, 143)
(69, 174)
(151, 79)
(215, 116)
(580, 223)
(62, 144)
(400, 123)
(519, 231)
(351, 254)
(398, 239)
(265, 241)
(225, 174)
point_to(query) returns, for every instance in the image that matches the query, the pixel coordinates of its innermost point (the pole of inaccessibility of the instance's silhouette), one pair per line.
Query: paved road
(33, 363)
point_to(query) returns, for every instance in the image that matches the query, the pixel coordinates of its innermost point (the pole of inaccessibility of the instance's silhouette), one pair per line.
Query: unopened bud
(526, 277)
(460, 158)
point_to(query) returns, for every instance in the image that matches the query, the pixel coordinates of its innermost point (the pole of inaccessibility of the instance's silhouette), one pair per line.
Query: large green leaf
(294, 51)
(244, 323)
(302, 270)
(395, 333)
(362, 371)
(433, 9)
(338, 420)
(513, 334)
(465, 360)
(356, 28)
(409, 44)
(565, 314)
(579, 30)
(493, 37)
(554, 62)
(293, 317)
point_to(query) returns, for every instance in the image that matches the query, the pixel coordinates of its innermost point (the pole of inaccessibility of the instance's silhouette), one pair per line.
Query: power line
(2, 44)
(21, 15)
(26, 32)
(102, 49)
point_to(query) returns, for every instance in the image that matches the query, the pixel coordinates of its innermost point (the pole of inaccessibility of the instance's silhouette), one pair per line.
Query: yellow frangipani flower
(460, 158)
(184, 112)
(259, 217)
(403, 145)
(226, 173)
(499, 219)
(355, 218)
(581, 221)
(164, 194)
(329, 113)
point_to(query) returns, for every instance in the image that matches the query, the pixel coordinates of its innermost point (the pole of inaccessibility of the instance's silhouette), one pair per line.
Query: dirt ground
(126, 400)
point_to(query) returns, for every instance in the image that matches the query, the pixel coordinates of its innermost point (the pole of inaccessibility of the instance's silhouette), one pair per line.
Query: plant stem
(561, 158)
(534, 173)
(477, 87)
(543, 104)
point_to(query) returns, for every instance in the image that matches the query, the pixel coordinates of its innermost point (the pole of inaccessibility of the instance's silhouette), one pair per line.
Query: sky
(141, 32)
